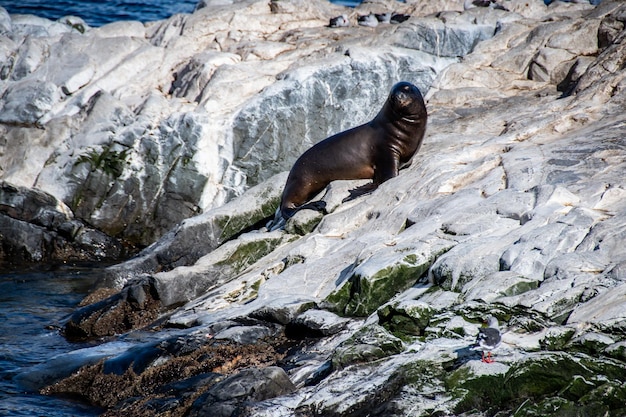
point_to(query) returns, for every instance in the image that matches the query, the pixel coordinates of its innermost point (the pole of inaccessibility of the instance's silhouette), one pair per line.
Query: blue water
(32, 306)
(100, 12)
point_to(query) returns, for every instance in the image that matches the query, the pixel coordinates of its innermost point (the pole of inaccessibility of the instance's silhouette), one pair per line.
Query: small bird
(399, 18)
(368, 20)
(383, 17)
(470, 4)
(339, 22)
(488, 338)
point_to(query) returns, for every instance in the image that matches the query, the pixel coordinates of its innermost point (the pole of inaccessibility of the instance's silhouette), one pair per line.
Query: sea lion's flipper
(387, 167)
(278, 222)
(281, 216)
(359, 191)
(318, 205)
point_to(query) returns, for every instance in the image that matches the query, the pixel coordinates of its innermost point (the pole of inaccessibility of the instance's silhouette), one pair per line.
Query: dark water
(32, 304)
(100, 12)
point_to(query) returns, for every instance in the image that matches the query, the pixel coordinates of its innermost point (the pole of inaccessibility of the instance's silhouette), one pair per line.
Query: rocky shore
(177, 136)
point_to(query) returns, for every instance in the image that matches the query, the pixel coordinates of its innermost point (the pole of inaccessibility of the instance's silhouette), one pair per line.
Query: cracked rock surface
(515, 207)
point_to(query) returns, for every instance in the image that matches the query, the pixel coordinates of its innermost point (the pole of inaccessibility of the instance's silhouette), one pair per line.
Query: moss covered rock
(366, 345)
(592, 343)
(617, 351)
(542, 384)
(220, 266)
(249, 250)
(405, 318)
(303, 222)
(385, 274)
(557, 337)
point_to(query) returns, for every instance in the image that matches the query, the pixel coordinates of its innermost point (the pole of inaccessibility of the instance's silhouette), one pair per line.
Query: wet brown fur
(376, 150)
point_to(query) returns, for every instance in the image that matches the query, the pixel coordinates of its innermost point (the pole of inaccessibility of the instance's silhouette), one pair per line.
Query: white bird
(488, 338)
(399, 18)
(339, 22)
(470, 4)
(368, 20)
(383, 17)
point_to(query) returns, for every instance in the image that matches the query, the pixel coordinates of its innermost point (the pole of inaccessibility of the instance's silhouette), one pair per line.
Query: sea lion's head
(407, 102)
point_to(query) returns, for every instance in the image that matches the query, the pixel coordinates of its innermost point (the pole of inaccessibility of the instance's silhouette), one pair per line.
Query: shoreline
(161, 134)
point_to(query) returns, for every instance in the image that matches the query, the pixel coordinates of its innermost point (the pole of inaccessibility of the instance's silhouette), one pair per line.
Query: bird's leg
(487, 359)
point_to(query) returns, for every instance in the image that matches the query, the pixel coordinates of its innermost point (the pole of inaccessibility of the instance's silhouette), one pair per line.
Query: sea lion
(377, 150)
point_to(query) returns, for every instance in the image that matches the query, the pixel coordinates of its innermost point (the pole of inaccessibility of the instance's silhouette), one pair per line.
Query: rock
(406, 318)
(316, 322)
(592, 343)
(602, 310)
(543, 65)
(137, 305)
(513, 207)
(216, 268)
(36, 227)
(249, 385)
(367, 344)
(454, 270)
(303, 222)
(557, 337)
(5, 21)
(452, 38)
(196, 237)
(282, 311)
(385, 273)
(563, 380)
(385, 385)
(244, 334)
(499, 284)
(617, 351)
(26, 103)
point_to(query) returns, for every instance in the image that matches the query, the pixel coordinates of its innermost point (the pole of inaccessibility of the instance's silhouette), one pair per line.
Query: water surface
(32, 306)
(100, 12)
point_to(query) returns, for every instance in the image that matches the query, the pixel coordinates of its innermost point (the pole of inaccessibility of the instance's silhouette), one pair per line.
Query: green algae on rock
(219, 267)
(406, 318)
(383, 275)
(368, 344)
(529, 385)
(557, 338)
(303, 222)
(230, 226)
(248, 252)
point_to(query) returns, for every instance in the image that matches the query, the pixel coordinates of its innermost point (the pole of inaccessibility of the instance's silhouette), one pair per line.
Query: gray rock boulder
(36, 227)
(231, 395)
(142, 126)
